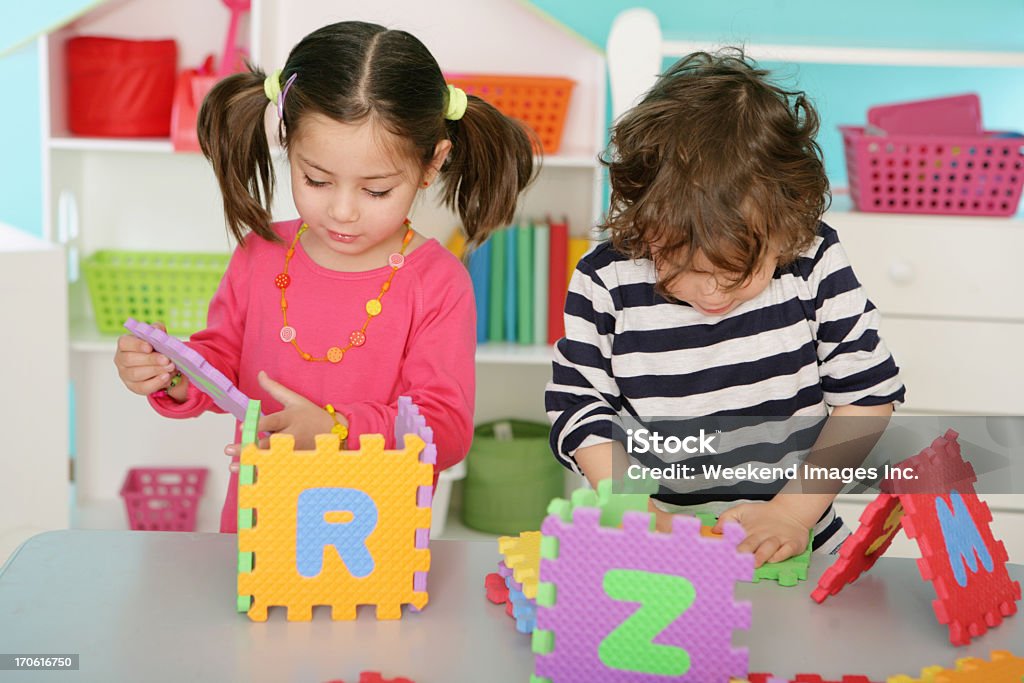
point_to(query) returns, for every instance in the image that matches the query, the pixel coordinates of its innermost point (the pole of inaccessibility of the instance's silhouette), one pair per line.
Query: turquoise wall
(21, 185)
(949, 24)
(23, 21)
(844, 93)
(21, 162)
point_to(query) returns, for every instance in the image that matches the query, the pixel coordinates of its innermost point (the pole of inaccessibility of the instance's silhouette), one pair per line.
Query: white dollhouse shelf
(636, 49)
(564, 159)
(159, 145)
(883, 56)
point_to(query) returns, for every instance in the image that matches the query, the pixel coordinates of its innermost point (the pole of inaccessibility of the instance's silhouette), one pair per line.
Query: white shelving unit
(33, 405)
(138, 194)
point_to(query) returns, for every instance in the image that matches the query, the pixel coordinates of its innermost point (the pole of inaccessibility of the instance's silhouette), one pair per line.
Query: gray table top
(153, 606)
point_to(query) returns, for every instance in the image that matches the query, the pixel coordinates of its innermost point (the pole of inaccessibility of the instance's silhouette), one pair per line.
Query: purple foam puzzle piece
(583, 615)
(512, 584)
(191, 363)
(409, 421)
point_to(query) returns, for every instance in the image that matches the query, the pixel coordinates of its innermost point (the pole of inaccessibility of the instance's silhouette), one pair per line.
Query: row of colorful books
(520, 277)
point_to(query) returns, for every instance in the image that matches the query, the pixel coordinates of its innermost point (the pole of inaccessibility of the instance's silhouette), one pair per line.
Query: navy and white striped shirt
(809, 341)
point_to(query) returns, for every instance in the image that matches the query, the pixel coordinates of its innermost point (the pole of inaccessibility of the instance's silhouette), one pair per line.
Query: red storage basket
(120, 88)
(163, 498)
(934, 174)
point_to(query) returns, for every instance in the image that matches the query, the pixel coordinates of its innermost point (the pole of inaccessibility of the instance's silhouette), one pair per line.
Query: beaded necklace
(373, 306)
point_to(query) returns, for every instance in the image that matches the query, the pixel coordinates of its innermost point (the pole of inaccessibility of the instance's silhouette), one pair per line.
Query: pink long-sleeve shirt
(421, 345)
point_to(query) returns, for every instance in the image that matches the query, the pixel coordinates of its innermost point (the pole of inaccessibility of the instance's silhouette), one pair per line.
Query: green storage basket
(510, 482)
(173, 288)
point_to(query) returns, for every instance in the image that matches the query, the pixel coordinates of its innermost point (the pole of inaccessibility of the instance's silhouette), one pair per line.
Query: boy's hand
(774, 534)
(140, 367)
(299, 417)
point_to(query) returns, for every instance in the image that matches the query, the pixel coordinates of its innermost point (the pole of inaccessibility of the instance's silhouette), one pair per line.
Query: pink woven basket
(934, 174)
(163, 498)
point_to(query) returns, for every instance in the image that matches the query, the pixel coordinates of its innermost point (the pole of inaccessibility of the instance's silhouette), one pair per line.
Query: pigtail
(490, 164)
(232, 136)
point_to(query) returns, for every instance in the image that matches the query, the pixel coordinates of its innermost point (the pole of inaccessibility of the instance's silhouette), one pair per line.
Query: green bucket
(511, 477)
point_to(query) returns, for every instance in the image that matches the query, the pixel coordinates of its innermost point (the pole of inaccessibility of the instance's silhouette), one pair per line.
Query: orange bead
(373, 307)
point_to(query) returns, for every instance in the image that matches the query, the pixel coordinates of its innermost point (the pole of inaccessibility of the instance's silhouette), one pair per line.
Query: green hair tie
(272, 85)
(457, 101)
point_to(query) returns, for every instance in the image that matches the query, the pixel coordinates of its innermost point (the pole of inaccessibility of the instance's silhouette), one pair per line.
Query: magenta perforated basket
(163, 498)
(965, 175)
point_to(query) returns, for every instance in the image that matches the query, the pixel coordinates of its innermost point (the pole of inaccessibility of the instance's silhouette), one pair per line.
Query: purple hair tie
(284, 93)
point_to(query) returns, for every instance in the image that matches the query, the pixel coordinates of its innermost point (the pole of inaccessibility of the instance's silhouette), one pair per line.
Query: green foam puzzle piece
(543, 641)
(706, 518)
(613, 505)
(252, 418)
(562, 508)
(546, 594)
(788, 572)
(244, 562)
(631, 486)
(246, 475)
(549, 547)
(245, 518)
(244, 602)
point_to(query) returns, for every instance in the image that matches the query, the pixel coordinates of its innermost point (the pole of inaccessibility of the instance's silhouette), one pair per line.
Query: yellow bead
(373, 307)
(334, 354)
(385, 287)
(306, 356)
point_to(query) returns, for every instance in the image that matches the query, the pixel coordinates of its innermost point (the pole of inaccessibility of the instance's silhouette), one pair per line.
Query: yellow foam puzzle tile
(927, 676)
(377, 568)
(522, 556)
(1004, 667)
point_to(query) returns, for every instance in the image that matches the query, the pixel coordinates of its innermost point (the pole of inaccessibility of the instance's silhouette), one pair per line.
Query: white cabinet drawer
(936, 265)
(959, 366)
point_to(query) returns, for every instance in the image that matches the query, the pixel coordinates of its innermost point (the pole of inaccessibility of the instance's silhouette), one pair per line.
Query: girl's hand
(774, 534)
(299, 417)
(140, 367)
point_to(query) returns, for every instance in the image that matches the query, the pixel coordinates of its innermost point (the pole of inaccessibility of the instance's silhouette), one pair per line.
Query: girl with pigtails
(330, 317)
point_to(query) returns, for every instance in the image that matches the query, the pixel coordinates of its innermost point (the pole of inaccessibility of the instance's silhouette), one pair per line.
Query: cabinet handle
(902, 272)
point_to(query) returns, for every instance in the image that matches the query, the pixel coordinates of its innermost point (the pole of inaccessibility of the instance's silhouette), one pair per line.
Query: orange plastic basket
(540, 102)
